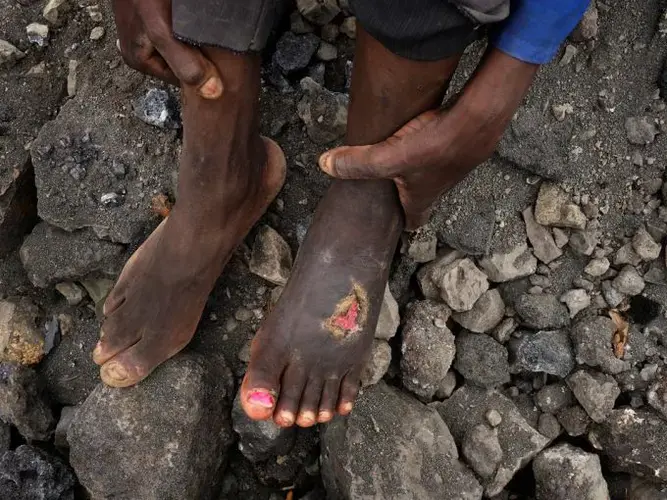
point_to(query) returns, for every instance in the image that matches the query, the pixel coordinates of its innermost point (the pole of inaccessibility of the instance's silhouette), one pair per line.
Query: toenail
(346, 407)
(262, 398)
(325, 415)
(307, 416)
(286, 417)
(98, 349)
(116, 371)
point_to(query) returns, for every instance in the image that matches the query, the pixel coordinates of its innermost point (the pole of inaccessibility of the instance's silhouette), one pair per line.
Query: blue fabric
(535, 29)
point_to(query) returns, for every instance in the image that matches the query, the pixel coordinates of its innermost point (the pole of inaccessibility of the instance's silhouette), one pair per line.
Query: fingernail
(262, 398)
(116, 371)
(346, 408)
(212, 89)
(325, 160)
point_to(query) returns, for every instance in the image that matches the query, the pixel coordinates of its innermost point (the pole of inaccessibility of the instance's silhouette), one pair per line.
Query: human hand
(437, 149)
(148, 45)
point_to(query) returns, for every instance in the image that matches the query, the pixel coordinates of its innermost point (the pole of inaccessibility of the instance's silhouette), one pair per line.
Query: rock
(587, 29)
(62, 428)
(553, 208)
(612, 296)
(640, 130)
(542, 311)
(583, 242)
(98, 289)
(447, 386)
(633, 441)
(164, 438)
(378, 364)
(21, 339)
(597, 267)
(520, 442)
(50, 255)
(271, 257)
(23, 402)
(481, 449)
(657, 396)
(294, 52)
(494, 418)
(55, 10)
(481, 360)
(31, 473)
(596, 392)
(548, 426)
(561, 238)
(323, 112)
(159, 108)
(9, 54)
(97, 33)
(544, 246)
(560, 111)
(574, 420)
(504, 330)
(576, 301)
(640, 489)
(95, 13)
(422, 246)
(260, 439)
(461, 284)
(319, 12)
(430, 275)
(644, 245)
(349, 27)
(38, 34)
(485, 315)
(592, 340)
(72, 292)
(569, 473)
(544, 352)
(554, 397)
(329, 33)
(327, 52)
(389, 318)
(298, 25)
(428, 350)
(626, 255)
(364, 455)
(517, 263)
(628, 282)
(471, 232)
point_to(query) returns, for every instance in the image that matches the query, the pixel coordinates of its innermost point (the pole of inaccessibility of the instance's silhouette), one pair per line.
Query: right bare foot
(228, 177)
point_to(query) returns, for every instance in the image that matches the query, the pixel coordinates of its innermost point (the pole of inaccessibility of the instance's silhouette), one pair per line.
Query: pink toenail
(262, 398)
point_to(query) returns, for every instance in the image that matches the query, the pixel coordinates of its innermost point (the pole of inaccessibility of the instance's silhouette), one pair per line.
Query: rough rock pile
(520, 351)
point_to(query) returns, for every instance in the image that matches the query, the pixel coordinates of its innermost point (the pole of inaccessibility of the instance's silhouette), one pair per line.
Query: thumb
(376, 161)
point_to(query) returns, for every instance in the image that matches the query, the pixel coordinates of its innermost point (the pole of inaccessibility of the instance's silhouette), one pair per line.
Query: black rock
(542, 311)
(481, 360)
(294, 52)
(546, 351)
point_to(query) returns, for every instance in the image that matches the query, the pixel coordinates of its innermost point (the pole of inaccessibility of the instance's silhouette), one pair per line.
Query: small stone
(428, 351)
(98, 289)
(542, 311)
(597, 267)
(629, 282)
(482, 451)
(568, 55)
(97, 33)
(349, 27)
(583, 242)
(494, 418)
(94, 13)
(271, 257)
(37, 70)
(612, 296)
(554, 397)
(378, 364)
(446, 386)
(294, 52)
(517, 263)
(389, 318)
(504, 330)
(644, 245)
(569, 473)
(298, 25)
(55, 10)
(561, 238)
(327, 52)
(462, 284)
(329, 33)
(626, 255)
(544, 352)
(323, 112)
(548, 426)
(21, 339)
(574, 420)
(592, 339)
(423, 246)
(544, 246)
(318, 12)
(29, 472)
(485, 315)
(72, 292)
(553, 208)
(596, 392)
(560, 111)
(66, 416)
(576, 300)
(429, 275)
(9, 54)
(159, 108)
(587, 29)
(38, 34)
(640, 130)
(481, 360)
(242, 314)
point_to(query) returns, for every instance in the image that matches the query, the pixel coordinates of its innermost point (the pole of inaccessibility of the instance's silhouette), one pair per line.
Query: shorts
(423, 30)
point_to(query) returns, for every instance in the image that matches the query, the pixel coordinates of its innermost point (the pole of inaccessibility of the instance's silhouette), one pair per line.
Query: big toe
(258, 402)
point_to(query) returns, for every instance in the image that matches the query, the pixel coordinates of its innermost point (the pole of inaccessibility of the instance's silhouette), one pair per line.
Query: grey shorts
(415, 29)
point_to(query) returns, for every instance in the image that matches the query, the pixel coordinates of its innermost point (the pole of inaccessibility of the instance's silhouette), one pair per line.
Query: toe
(115, 336)
(291, 388)
(132, 365)
(349, 388)
(328, 400)
(310, 400)
(261, 386)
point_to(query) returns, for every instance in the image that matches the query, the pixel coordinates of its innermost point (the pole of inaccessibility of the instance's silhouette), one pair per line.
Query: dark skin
(308, 355)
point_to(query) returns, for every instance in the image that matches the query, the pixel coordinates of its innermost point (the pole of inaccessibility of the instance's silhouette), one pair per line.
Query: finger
(378, 161)
(158, 67)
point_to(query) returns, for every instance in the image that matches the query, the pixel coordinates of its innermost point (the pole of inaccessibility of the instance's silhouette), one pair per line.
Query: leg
(307, 358)
(228, 176)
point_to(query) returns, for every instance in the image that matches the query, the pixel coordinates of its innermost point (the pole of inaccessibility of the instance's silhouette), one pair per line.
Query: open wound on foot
(350, 313)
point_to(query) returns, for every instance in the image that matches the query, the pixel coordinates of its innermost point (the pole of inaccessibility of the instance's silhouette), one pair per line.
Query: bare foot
(228, 177)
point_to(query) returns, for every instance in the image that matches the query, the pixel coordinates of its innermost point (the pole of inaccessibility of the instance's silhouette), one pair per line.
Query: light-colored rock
(55, 10)
(561, 237)
(627, 255)
(629, 282)
(517, 263)
(21, 338)
(640, 130)
(327, 52)
(422, 246)
(446, 386)
(592, 340)
(349, 27)
(9, 54)
(429, 275)
(389, 318)
(583, 242)
(576, 300)
(485, 315)
(38, 34)
(644, 245)
(587, 29)
(482, 450)
(71, 77)
(462, 284)
(97, 33)
(596, 392)
(378, 364)
(553, 208)
(612, 296)
(72, 292)
(544, 246)
(271, 257)
(597, 267)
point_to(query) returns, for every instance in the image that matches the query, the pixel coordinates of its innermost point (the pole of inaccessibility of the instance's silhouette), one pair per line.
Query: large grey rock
(554, 397)
(485, 315)
(18, 204)
(553, 208)
(645, 246)
(391, 448)
(50, 255)
(633, 441)
(323, 112)
(461, 284)
(294, 52)
(542, 311)
(31, 473)
(520, 442)
(569, 473)
(428, 349)
(271, 257)
(21, 338)
(517, 263)
(628, 282)
(544, 246)
(547, 351)
(260, 439)
(164, 438)
(592, 340)
(596, 392)
(23, 402)
(481, 360)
